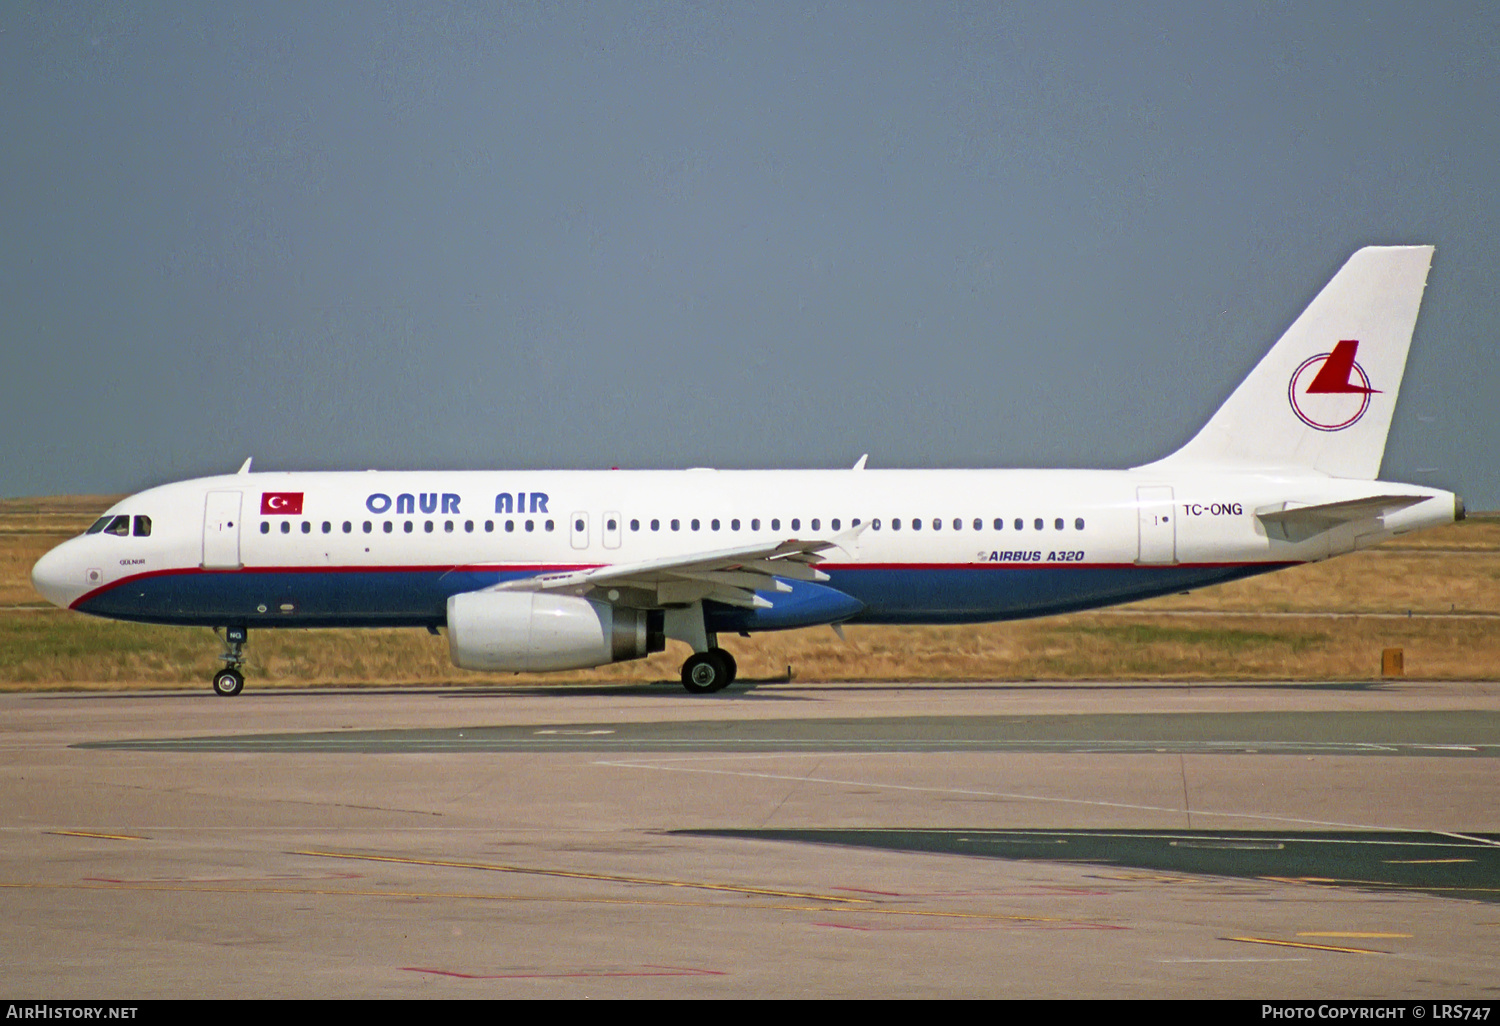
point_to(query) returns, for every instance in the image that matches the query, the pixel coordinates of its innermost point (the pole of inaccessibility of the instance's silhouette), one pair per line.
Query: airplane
(535, 571)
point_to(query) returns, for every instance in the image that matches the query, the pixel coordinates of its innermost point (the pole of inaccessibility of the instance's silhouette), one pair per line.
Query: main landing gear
(704, 672)
(229, 681)
(709, 668)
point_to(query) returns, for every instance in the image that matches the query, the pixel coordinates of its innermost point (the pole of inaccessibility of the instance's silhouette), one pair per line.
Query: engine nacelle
(533, 631)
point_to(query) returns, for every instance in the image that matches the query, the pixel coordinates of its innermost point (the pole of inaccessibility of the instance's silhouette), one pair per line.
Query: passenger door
(1158, 526)
(221, 531)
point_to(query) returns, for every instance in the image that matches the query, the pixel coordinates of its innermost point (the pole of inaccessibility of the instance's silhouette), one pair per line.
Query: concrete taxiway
(844, 840)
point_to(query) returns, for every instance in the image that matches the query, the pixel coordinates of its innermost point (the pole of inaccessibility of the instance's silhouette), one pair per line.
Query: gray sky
(740, 235)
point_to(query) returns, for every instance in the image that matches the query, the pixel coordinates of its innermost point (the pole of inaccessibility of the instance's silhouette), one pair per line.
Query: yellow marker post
(1392, 663)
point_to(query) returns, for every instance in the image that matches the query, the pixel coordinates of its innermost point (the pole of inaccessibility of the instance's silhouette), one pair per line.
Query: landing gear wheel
(228, 683)
(705, 672)
(730, 666)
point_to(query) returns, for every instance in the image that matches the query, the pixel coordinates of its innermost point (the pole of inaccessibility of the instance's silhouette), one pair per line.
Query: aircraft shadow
(1462, 866)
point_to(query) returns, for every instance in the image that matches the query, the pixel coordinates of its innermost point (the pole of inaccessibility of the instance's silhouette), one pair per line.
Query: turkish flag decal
(283, 503)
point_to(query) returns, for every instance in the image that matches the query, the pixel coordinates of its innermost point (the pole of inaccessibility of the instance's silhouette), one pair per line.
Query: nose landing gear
(229, 681)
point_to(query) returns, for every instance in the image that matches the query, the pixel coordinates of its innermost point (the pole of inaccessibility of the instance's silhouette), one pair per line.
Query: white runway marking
(1194, 961)
(1466, 837)
(975, 792)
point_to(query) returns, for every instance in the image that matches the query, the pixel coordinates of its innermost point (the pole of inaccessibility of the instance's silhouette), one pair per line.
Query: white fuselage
(389, 548)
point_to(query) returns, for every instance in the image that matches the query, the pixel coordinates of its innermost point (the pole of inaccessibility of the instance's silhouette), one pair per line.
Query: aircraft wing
(1327, 514)
(730, 576)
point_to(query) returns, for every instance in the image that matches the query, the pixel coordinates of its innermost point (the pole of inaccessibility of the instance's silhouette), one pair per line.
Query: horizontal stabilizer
(1298, 523)
(1341, 512)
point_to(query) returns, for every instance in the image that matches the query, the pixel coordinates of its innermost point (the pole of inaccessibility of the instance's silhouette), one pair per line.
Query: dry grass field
(1435, 595)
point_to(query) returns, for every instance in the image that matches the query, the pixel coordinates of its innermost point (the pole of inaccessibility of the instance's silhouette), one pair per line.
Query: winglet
(861, 464)
(245, 467)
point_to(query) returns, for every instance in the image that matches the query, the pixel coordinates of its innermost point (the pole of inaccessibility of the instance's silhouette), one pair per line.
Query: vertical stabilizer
(1322, 398)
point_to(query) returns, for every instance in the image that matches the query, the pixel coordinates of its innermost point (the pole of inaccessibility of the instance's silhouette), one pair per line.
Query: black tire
(730, 666)
(228, 683)
(705, 672)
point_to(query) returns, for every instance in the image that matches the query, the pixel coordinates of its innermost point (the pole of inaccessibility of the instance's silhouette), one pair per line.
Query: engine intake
(533, 631)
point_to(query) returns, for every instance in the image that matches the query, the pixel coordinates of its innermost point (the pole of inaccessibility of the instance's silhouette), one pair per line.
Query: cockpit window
(142, 527)
(99, 525)
(118, 525)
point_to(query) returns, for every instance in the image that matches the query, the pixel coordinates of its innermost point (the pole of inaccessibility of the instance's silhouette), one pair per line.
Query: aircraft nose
(54, 578)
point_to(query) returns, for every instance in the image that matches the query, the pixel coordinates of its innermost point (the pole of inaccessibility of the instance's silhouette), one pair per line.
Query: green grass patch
(46, 646)
(1213, 638)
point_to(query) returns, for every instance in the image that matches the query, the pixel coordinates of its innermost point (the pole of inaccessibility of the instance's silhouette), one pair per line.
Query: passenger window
(549, 525)
(635, 525)
(734, 525)
(468, 527)
(531, 525)
(1037, 523)
(999, 524)
(447, 527)
(755, 524)
(1020, 524)
(713, 524)
(327, 527)
(796, 523)
(835, 524)
(367, 527)
(99, 525)
(427, 526)
(265, 527)
(676, 525)
(695, 523)
(875, 524)
(119, 526)
(1078, 524)
(386, 526)
(1057, 524)
(852, 523)
(916, 523)
(510, 526)
(815, 523)
(958, 525)
(578, 525)
(286, 527)
(489, 527)
(656, 525)
(348, 527)
(978, 524)
(142, 527)
(406, 527)
(896, 524)
(307, 527)
(937, 523)
(775, 523)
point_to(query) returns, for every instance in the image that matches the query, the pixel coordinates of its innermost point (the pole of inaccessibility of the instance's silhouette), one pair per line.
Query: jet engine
(534, 631)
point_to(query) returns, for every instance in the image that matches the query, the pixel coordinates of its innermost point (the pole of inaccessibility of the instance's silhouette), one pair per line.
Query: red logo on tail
(1331, 391)
(1335, 374)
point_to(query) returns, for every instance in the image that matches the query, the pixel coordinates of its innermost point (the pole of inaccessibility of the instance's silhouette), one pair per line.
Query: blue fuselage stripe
(418, 597)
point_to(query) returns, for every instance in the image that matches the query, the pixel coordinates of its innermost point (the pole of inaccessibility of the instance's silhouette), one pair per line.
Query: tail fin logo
(1331, 391)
